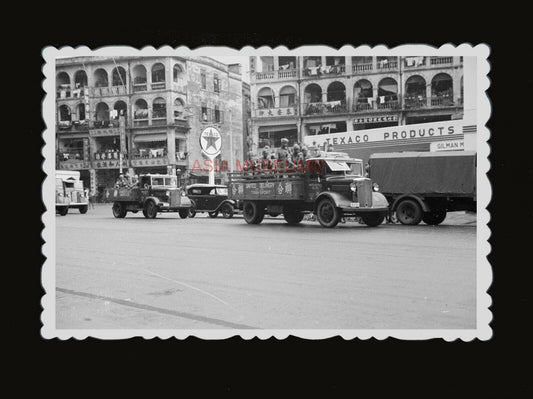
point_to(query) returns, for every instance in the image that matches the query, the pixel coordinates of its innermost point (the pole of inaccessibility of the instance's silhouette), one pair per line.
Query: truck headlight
(353, 187)
(167, 193)
(375, 186)
(183, 193)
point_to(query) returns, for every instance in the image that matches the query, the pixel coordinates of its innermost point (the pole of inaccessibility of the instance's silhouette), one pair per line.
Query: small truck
(331, 186)
(70, 192)
(424, 186)
(153, 193)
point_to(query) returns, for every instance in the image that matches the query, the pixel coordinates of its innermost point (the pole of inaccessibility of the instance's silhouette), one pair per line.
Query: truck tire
(62, 210)
(409, 212)
(327, 213)
(373, 219)
(252, 212)
(83, 209)
(435, 217)
(292, 216)
(150, 209)
(119, 210)
(184, 213)
(192, 212)
(227, 211)
(212, 215)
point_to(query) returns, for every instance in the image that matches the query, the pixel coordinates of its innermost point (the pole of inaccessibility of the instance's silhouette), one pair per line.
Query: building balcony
(443, 101)
(362, 68)
(68, 93)
(386, 65)
(159, 121)
(280, 74)
(415, 62)
(363, 104)
(182, 123)
(415, 102)
(108, 91)
(275, 112)
(137, 87)
(441, 61)
(391, 104)
(328, 107)
(72, 126)
(324, 71)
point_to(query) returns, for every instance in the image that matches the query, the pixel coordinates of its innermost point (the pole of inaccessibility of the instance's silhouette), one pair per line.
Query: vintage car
(70, 192)
(153, 193)
(210, 198)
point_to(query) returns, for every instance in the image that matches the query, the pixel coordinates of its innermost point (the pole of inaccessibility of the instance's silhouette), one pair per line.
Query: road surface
(203, 273)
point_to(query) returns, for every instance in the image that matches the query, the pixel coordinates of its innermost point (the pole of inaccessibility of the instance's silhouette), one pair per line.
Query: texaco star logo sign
(211, 141)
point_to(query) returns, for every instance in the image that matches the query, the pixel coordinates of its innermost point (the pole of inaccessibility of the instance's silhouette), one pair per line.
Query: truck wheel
(409, 212)
(62, 210)
(83, 209)
(226, 211)
(212, 214)
(192, 212)
(434, 218)
(119, 210)
(150, 210)
(327, 213)
(184, 213)
(274, 214)
(252, 212)
(292, 216)
(373, 219)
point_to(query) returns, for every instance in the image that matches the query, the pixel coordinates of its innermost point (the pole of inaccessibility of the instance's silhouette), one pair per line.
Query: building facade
(297, 97)
(145, 115)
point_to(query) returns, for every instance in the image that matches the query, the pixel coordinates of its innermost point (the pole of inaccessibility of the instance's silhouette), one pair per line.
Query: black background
(431, 367)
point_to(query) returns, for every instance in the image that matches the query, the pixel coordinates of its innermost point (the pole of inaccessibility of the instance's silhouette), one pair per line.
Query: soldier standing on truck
(283, 155)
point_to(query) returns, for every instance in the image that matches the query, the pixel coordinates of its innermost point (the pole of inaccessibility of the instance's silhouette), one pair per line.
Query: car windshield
(222, 191)
(344, 168)
(163, 181)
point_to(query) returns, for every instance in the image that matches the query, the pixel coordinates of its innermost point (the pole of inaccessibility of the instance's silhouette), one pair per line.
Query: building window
(204, 116)
(216, 84)
(219, 115)
(204, 80)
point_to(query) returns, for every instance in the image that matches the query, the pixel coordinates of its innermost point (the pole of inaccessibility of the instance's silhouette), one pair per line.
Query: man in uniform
(283, 155)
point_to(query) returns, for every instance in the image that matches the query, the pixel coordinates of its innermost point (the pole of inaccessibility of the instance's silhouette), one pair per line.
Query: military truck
(151, 194)
(424, 186)
(331, 186)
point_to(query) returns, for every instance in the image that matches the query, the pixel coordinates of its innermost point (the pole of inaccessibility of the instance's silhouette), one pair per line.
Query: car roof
(206, 185)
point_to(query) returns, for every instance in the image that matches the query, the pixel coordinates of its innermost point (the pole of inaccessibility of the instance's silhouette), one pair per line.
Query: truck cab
(70, 192)
(151, 194)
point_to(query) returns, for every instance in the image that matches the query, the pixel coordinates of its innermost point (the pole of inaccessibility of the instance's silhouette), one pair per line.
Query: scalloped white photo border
(483, 331)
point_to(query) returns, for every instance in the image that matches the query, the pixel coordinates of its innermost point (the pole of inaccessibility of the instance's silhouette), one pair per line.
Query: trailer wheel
(119, 210)
(409, 212)
(62, 210)
(292, 216)
(150, 210)
(252, 212)
(227, 211)
(373, 219)
(434, 218)
(184, 213)
(327, 213)
(83, 209)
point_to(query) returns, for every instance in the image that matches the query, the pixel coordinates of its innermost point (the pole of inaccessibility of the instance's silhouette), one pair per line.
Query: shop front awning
(146, 138)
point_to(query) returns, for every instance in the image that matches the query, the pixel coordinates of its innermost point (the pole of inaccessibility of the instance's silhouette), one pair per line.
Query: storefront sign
(211, 142)
(148, 162)
(447, 145)
(74, 165)
(104, 132)
(261, 113)
(411, 133)
(109, 164)
(376, 119)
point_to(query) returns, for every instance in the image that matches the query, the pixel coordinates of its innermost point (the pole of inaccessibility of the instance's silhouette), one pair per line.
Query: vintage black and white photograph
(313, 192)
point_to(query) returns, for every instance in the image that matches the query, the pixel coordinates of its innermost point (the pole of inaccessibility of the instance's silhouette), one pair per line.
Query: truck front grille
(364, 193)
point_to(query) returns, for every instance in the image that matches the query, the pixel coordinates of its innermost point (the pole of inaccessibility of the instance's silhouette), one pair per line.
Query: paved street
(172, 273)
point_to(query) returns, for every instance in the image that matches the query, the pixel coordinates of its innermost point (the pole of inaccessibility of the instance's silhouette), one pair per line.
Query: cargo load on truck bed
(450, 173)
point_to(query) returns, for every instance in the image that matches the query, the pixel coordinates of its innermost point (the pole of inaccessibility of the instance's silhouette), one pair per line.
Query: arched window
(100, 78)
(80, 79)
(336, 92)
(64, 113)
(265, 98)
(177, 72)
(442, 90)
(120, 109)
(387, 93)
(159, 108)
(415, 92)
(118, 76)
(139, 75)
(179, 108)
(287, 97)
(140, 109)
(363, 94)
(63, 80)
(102, 112)
(158, 73)
(313, 93)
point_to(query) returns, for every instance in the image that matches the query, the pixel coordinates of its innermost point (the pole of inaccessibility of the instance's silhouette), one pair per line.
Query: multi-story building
(295, 97)
(145, 115)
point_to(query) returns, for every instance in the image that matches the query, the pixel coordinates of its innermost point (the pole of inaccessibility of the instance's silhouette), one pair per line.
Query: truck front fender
(156, 200)
(414, 197)
(339, 200)
(379, 200)
(227, 201)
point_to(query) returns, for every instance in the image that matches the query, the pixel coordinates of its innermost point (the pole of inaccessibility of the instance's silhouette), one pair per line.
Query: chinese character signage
(109, 164)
